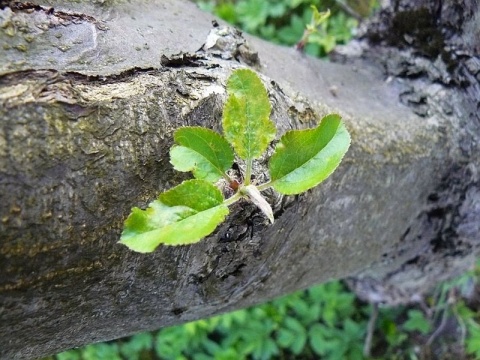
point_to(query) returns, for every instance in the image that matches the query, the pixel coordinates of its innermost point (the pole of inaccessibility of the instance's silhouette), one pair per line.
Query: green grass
(323, 322)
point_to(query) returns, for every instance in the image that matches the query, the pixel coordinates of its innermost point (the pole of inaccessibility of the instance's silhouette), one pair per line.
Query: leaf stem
(248, 172)
(264, 186)
(232, 199)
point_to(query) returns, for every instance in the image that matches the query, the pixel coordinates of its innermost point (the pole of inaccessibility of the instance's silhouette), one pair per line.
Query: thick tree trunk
(90, 96)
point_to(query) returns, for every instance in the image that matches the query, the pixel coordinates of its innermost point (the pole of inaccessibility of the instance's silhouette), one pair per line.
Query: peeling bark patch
(228, 43)
(416, 101)
(62, 15)
(304, 116)
(182, 60)
(50, 86)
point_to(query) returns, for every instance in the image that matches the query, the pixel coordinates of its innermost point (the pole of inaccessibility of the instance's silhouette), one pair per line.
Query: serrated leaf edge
(341, 129)
(167, 193)
(220, 172)
(269, 134)
(169, 227)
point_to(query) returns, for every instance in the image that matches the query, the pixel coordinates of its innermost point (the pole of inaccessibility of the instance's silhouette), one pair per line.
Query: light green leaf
(203, 151)
(246, 115)
(180, 216)
(304, 158)
(318, 17)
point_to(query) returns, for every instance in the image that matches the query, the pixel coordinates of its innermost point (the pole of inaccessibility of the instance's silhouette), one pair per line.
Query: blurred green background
(283, 21)
(325, 321)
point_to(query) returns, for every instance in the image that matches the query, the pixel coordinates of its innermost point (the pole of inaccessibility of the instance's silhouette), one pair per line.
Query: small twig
(440, 328)
(461, 324)
(452, 301)
(449, 304)
(300, 45)
(367, 347)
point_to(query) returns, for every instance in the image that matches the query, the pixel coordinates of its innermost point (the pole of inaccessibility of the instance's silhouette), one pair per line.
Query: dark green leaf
(203, 151)
(198, 195)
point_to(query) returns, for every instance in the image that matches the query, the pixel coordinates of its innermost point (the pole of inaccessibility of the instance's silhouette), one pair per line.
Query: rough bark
(90, 96)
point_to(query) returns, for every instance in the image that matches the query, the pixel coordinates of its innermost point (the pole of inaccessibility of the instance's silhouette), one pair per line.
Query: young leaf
(198, 195)
(246, 115)
(319, 17)
(304, 158)
(180, 216)
(203, 151)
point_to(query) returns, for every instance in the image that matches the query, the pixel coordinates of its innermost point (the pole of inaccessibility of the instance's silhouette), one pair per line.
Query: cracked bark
(90, 95)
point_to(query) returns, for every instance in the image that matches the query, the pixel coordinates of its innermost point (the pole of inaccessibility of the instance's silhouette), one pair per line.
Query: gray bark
(90, 96)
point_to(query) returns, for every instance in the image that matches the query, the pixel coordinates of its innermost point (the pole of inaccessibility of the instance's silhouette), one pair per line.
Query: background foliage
(323, 322)
(284, 21)
(326, 321)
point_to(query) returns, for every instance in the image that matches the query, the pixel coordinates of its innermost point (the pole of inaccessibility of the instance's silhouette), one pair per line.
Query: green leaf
(252, 14)
(317, 339)
(69, 355)
(291, 33)
(473, 339)
(417, 322)
(101, 351)
(300, 331)
(304, 158)
(203, 151)
(246, 115)
(180, 216)
(318, 17)
(198, 195)
(285, 337)
(132, 348)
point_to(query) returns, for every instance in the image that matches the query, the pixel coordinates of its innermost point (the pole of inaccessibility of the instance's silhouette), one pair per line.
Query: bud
(259, 200)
